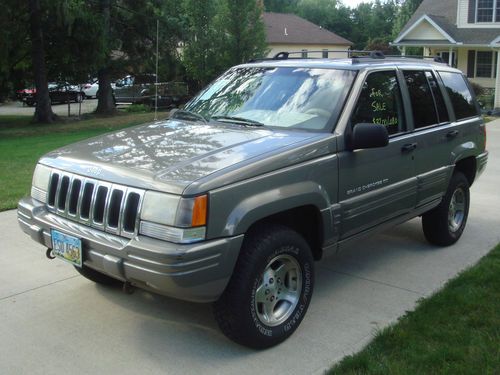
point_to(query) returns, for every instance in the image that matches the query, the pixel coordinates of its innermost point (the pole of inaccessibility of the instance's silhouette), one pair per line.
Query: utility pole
(157, 58)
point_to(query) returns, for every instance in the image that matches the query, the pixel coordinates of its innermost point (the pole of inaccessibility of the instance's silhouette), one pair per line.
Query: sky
(354, 3)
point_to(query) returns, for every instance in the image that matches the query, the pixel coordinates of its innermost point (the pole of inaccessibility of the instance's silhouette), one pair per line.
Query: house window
(488, 11)
(325, 53)
(484, 64)
(304, 54)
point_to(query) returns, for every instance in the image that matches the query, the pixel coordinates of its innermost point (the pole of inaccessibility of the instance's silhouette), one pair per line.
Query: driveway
(55, 322)
(17, 108)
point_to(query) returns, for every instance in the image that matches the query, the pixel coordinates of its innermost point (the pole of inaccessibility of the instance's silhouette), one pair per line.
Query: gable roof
(443, 13)
(284, 28)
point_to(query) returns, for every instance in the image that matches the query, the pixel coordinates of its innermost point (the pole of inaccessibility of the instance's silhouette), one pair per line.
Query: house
(465, 33)
(290, 33)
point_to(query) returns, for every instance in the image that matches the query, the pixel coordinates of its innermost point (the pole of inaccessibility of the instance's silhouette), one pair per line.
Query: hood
(170, 155)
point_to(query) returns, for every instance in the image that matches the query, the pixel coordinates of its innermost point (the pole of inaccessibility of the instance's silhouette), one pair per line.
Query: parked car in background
(20, 94)
(59, 93)
(90, 89)
(140, 89)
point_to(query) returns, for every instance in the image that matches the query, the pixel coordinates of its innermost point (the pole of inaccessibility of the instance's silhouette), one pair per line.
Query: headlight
(40, 183)
(172, 218)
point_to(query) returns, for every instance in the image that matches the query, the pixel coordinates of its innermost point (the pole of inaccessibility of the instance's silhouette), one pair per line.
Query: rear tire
(97, 277)
(445, 224)
(270, 289)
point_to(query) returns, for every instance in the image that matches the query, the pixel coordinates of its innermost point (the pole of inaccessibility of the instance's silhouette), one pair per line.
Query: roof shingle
(290, 29)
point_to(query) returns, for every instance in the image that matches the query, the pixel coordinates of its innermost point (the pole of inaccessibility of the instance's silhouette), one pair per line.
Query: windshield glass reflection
(283, 97)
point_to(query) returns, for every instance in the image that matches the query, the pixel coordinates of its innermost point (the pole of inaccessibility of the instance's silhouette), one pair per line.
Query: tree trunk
(105, 101)
(43, 111)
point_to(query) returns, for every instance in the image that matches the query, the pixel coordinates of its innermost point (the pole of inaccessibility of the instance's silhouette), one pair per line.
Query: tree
(105, 103)
(202, 54)
(406, 10)
(280, 6)
(331, 15)
(244, 30)
(43, 111)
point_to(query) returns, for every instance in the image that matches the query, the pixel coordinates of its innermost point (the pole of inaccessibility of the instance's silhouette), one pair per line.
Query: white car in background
(90, 89)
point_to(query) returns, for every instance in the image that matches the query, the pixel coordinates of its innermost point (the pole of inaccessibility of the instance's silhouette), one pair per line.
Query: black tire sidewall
(288, 327)
(235, 311)
(435, 222)
(459, 182)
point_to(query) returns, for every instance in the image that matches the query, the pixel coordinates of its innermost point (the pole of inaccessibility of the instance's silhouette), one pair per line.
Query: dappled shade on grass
(22, 143)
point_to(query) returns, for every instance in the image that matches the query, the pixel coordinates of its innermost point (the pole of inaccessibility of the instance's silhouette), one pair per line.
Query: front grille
(110, 207)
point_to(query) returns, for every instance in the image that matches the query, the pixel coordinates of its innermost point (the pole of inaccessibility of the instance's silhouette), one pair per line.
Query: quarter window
(380, 102)
(460, 95)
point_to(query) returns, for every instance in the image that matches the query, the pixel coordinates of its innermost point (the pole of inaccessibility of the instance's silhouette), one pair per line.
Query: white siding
(462, 13)
(425, 31)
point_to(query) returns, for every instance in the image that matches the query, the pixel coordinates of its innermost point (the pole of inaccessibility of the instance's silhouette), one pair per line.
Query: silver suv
(274, 165)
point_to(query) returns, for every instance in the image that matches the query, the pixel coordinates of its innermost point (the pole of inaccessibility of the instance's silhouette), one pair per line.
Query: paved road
(55, 322)
(17, 108)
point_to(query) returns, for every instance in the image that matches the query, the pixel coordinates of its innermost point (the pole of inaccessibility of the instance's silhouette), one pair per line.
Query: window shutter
(471, 63)
(472, 11)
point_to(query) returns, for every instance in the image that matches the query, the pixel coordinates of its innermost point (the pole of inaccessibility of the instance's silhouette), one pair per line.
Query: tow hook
(49, 254)
(128, 288)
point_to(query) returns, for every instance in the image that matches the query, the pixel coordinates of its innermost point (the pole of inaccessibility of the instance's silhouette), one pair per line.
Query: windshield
(283, 97)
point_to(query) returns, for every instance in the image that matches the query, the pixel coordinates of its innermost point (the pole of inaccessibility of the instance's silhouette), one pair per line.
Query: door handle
(452, 134)
(408, 147)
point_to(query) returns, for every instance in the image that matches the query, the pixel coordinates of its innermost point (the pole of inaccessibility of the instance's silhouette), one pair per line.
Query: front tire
(270, 289)
(445, 224)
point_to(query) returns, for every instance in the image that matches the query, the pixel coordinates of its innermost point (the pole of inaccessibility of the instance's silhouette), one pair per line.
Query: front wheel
(445, 224)
(270, 289)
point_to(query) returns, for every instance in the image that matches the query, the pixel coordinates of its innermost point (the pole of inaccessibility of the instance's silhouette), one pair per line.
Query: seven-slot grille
(102, 205)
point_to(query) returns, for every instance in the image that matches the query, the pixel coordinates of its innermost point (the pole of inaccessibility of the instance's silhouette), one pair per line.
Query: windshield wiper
(187, 113)
(236, 119)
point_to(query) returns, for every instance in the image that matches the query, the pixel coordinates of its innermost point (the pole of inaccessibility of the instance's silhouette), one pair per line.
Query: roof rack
(352, 54)
(437, 59)
(285, 55)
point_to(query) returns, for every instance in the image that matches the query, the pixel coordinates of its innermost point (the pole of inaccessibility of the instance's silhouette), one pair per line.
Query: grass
(22, 143)
(456, 331)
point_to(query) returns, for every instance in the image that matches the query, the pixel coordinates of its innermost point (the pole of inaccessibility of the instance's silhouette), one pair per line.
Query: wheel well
(305, 220)
(468, 167)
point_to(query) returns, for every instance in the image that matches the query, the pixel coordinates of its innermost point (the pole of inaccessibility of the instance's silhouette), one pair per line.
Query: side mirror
(369, 136)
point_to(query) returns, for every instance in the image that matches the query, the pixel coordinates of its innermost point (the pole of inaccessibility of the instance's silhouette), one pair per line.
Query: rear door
(438, 134)
(376, 185)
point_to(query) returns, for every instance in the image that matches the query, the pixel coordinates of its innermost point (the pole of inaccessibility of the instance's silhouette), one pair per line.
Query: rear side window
(423, 104)
(460, 95)
(380, 102)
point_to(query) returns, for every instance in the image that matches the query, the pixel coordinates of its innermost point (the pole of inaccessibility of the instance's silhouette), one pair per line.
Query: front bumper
(196, 272)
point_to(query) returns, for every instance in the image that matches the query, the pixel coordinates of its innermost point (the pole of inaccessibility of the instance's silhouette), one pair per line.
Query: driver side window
(380, 102)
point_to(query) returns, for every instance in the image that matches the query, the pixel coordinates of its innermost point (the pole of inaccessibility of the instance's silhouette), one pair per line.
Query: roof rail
(352, 54)
(437, 59)
(286, 55)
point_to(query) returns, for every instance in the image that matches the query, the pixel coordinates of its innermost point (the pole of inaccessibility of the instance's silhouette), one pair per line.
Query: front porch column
(450, 57)
(497, 84)
(403, 51)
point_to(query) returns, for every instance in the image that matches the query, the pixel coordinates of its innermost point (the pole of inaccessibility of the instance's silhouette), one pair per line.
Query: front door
(376, 185)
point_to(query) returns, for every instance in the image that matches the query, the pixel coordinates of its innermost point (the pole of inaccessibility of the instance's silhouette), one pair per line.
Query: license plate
(67, 247)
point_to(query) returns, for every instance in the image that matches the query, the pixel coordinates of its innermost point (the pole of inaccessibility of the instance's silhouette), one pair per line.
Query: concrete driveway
(55, 322)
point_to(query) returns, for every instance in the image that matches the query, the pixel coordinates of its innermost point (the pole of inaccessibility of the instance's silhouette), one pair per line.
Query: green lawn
(456, 331)
(22, 143)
